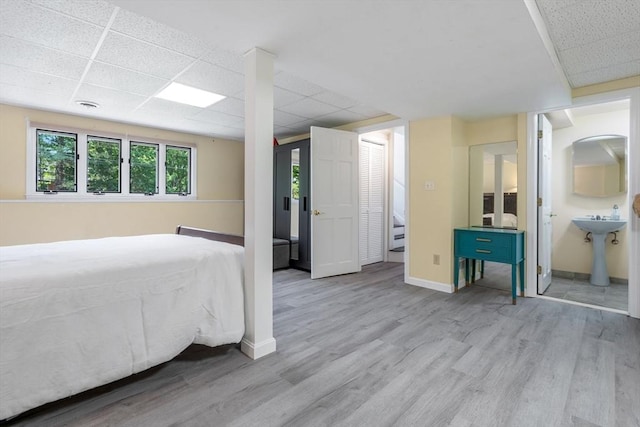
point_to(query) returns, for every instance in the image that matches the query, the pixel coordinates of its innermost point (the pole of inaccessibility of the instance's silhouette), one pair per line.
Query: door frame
(387, 125)
(633, 95)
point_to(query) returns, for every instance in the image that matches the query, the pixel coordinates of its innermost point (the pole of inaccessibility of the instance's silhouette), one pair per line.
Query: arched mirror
(599, 165)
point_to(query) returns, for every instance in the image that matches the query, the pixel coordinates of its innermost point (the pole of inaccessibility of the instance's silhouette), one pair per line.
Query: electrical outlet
(436, 259)
(429, 185)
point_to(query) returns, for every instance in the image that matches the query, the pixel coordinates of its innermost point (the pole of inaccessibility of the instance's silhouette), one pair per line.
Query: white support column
(258, 338)
(498, 192)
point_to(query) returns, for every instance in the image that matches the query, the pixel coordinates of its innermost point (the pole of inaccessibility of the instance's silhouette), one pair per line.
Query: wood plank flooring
(367, 350)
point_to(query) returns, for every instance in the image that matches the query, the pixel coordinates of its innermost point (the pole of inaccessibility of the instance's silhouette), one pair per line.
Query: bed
(78, 314)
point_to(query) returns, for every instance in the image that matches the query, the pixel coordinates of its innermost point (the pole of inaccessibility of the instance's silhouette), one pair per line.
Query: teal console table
(489, 244)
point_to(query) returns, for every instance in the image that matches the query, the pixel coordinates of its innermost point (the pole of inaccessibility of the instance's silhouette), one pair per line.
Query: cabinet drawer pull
(483, 251)
(481, 239)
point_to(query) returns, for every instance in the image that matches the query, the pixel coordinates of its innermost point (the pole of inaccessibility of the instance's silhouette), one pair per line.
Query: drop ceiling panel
(224, 59)
(232, 106)
(309, 108)
(334, 99)
(136, 55)
(366, 111)
(612, 72)
(219, 118)
(295, 84)
(603, 53)
(118, 78)
(96, 12)
(158, 34)
(19, 95)
(212, 78)
(40, 26)
(282, 97)
(342, 116)
(63, 88)
(169, 108)
(280, 118)
(111, 101)
(40, 59)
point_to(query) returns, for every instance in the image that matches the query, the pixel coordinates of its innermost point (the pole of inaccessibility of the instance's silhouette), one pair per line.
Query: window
(103, 165)
(178, 170)
(71, 163)
(143, 169)
(56, 154)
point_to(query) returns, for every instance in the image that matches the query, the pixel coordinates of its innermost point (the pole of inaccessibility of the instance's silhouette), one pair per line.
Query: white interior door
(544, 203)
(334, 202)
(372, 179)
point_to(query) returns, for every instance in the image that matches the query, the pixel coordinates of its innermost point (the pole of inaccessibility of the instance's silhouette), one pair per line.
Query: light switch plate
(429, 185)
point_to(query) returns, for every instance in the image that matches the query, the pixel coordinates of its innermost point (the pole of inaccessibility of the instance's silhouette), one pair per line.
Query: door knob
(317, 212)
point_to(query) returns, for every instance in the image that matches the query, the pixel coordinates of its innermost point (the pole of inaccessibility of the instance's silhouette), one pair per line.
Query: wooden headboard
(234, 239)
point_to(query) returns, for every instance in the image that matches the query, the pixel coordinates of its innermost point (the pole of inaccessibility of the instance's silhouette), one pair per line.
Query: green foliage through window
(295, 182)
(55, 161)
(143, 171)
(103, 165)
(177, 167)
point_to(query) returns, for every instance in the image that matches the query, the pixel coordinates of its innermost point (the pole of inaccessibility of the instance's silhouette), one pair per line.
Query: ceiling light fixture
(89, 105)
(183, 94)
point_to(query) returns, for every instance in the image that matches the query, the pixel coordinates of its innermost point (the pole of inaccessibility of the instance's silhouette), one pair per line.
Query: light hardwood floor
(367, 350)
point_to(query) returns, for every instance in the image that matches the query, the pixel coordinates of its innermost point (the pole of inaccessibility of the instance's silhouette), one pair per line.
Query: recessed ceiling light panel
(183, 94)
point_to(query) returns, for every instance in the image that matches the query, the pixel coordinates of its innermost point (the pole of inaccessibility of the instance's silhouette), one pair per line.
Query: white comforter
(78, 314)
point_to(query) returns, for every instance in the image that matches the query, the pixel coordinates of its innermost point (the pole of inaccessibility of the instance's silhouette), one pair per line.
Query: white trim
(257, 350)
(428, 284)
(633, 94)
(582, 304)
(62, 198)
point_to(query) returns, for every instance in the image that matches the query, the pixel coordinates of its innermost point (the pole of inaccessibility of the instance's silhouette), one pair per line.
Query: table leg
(466, 272)
(513, 284)
(522, 278)
(482, 269)
(456, 272)
(473, 271)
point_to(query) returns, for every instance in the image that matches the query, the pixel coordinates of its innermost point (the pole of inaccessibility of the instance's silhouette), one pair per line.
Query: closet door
(372, 189)
(304, 212)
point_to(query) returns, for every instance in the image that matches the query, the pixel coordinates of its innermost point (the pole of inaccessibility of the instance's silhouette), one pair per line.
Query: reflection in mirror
(493, 171)
(599, 165)
(295, 201)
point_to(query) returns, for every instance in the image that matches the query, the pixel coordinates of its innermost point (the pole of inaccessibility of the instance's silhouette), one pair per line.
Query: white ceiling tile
(42, 26)
(136, 55)
(122, 79)
(295, 84)
(280, 118)
(110, 100)
(39, 81)
(40, 59)
(613, 72)
(334, 99)
(94, 11)
(342, 117)
(574, 23)
(309, 108)
(158, 34)
(219, 118)
(225, 59)
(229, 105)
(19, 95)
(203, 75)
(281, 132)
(367, 112)
(601, 54)
(282, 97)
(170, 108)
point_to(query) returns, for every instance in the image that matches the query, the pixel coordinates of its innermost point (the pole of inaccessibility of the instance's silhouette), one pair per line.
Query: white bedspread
(78, 314)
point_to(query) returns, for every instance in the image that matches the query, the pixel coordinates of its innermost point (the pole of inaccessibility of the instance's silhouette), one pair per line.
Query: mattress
(78, 314)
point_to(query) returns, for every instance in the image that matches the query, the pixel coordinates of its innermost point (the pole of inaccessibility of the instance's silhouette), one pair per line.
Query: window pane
(55, 161)
(144, 168)
(103, 165)
(178, 170)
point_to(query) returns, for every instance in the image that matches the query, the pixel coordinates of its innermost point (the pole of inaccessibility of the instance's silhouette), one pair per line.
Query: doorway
(576, 180)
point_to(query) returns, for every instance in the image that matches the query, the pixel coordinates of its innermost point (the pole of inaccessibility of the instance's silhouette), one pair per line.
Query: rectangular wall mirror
(599, 166)
(493, 185)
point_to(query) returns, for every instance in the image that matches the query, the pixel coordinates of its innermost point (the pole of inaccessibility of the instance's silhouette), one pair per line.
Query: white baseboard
(436, 286)
(256, 351)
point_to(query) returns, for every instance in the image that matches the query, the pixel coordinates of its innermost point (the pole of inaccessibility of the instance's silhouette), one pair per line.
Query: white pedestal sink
(599, 229)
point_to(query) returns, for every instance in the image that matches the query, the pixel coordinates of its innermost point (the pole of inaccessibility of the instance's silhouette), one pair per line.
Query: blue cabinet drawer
(478, 239)
(486, 252)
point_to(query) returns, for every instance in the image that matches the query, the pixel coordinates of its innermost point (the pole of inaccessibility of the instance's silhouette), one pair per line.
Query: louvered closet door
(371, 202)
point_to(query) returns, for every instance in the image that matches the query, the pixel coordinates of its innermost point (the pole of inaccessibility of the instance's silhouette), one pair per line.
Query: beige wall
(570, 251)
(220, 168)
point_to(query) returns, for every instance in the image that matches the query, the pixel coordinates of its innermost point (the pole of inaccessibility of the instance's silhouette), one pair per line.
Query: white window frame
(81, 193)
